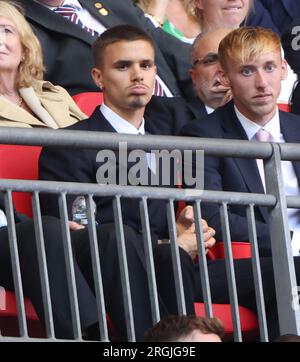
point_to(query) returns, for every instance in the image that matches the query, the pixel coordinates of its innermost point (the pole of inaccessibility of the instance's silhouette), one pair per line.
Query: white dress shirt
(3, 220)
(209, 110)
(123, 126)
(291, 185)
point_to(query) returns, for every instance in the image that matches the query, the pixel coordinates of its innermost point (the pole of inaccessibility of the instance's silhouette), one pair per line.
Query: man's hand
(186, 235)
(73, 225)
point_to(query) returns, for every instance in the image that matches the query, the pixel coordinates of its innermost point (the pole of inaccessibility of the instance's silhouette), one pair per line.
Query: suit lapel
(102, 12)
(49, 20)
(197, 108)
(247, 167)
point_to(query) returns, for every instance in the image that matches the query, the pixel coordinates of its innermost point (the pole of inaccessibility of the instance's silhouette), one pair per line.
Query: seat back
(20, 162)
(88, 101)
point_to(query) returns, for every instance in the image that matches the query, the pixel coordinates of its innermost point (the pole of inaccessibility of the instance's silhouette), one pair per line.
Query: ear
(97, 77)
(284, 69)
(198, 4)
(192, 74)
(224, 79)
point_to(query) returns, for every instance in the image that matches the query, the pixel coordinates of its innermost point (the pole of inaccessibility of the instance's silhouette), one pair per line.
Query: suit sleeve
(213, 180)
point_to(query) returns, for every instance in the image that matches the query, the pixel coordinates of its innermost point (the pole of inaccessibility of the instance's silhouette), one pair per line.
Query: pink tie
(263, 136)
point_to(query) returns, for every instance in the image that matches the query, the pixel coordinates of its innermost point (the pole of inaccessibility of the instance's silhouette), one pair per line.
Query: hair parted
(116, 34)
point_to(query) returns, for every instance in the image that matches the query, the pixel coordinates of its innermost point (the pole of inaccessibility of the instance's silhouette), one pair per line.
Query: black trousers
(56, 272)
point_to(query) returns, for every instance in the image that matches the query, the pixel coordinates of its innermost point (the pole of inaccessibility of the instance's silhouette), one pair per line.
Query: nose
(260, 80)
(137, 74)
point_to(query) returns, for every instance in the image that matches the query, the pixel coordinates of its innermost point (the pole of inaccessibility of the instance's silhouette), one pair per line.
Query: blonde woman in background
(26, 100)
(180, 18)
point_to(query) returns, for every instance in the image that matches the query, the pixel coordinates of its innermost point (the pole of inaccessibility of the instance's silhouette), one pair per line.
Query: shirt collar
(250, 127)
(209, 110)
(120, 124)
(67, 2)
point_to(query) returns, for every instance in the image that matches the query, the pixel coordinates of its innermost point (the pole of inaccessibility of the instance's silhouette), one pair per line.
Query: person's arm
(186, 232)
(156, 11)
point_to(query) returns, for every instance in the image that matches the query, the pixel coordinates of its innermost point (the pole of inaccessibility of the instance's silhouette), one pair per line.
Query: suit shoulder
(207, 126)
(84, 125)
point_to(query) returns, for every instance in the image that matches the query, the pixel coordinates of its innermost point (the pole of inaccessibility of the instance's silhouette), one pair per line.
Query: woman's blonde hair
(189, 6)
(31, 66)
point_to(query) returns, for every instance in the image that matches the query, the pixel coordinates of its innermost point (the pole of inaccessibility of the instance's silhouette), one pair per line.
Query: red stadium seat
(88, 101)
(20, 162)
(249, 322)
(9, 320)
(284, 107)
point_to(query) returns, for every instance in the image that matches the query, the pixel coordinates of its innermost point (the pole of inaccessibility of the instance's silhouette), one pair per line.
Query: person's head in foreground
(185, 328)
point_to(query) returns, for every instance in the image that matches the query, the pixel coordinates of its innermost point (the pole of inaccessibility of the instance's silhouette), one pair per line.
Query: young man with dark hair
(185, 328)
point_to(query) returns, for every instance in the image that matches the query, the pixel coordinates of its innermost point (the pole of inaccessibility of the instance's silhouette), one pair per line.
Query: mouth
(138, 89)
(232, 9)
(263, 97)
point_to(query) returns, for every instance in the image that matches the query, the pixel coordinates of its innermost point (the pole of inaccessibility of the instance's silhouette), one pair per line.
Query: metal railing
(274, 199)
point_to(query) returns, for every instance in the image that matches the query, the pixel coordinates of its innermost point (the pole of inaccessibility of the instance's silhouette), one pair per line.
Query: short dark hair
(116, 34)
(174, 327)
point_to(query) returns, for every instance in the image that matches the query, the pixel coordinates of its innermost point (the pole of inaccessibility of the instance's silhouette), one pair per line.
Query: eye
(146, 65)
(122, 66)
(270, 68)
(247, 72)
(210, 60)
(6, 30)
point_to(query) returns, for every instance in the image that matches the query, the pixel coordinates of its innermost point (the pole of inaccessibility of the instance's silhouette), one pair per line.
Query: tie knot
(263, 136)
(66, 10)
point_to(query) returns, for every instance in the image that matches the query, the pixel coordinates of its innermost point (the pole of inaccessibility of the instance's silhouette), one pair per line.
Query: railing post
(283, 262)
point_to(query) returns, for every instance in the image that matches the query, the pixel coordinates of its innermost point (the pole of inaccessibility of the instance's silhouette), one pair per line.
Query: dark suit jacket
(291, 42)
(282, 11)
(79, 165)
(67, 48)
(259, 16)
(197, 107)
(235, 174)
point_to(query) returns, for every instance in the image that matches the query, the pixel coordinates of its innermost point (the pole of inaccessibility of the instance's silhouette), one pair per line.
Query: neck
(133, 116)
(7, 84)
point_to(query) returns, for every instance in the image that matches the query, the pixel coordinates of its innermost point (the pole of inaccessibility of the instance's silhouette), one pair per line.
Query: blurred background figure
(283, 12)
(25, 99)
(180, 18)
(205, 73)
(185, 328)
(185, 19)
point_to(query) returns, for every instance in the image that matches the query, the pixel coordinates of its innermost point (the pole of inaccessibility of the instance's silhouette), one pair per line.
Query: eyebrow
(129, 62)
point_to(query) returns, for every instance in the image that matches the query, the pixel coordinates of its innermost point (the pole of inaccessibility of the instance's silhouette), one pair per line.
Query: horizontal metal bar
(293, 202)
(289, 151)
(87, 139)
(78, 188)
